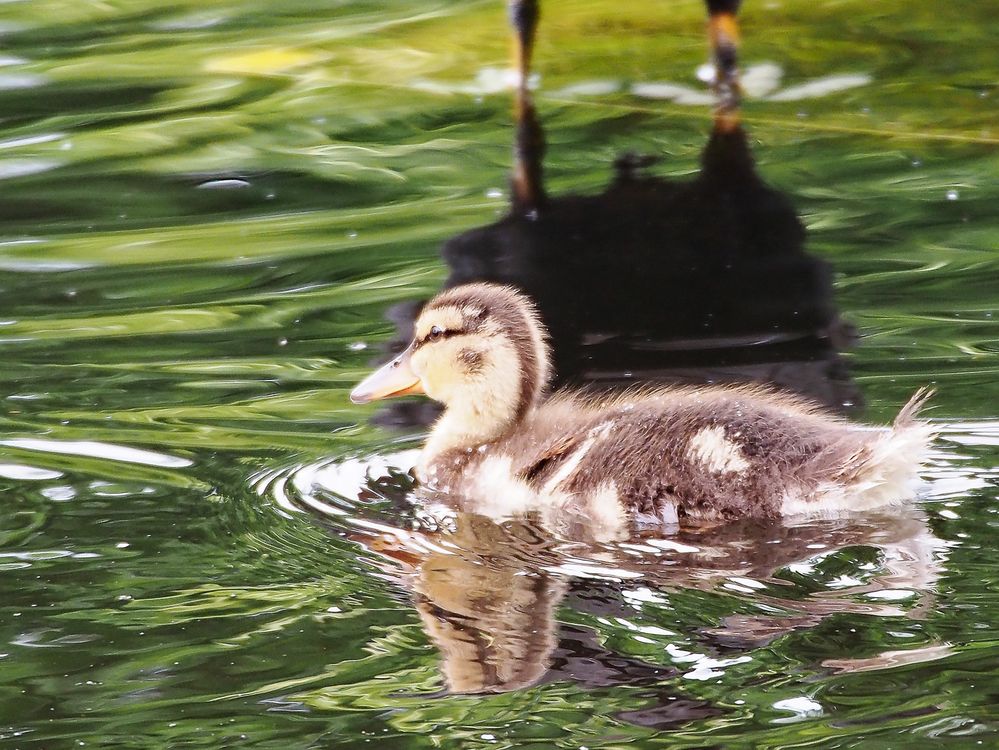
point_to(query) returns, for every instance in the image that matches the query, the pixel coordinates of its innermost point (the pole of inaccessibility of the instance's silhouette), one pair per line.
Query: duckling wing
(550, 459)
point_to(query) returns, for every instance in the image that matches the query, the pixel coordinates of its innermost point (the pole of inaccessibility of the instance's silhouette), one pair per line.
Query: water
(205, 211)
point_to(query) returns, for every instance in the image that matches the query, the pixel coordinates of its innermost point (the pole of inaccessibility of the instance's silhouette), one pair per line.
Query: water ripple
(95, 449)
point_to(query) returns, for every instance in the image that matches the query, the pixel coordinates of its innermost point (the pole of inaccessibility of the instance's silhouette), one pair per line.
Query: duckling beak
(395, 378)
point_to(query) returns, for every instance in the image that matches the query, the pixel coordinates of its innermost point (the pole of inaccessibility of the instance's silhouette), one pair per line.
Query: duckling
(667, 456)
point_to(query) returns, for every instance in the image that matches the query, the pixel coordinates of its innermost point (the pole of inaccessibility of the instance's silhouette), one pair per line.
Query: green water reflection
(205, 209)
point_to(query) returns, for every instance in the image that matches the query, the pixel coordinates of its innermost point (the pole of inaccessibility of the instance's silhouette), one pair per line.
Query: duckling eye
(436, 332)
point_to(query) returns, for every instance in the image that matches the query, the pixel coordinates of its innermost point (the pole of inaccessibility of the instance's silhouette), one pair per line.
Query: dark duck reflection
(699, 280)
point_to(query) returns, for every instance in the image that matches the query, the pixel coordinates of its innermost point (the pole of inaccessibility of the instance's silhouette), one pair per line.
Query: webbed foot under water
(666, 456)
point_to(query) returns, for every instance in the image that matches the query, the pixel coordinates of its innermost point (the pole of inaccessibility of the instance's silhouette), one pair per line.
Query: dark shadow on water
(655, 280)
(665, 280)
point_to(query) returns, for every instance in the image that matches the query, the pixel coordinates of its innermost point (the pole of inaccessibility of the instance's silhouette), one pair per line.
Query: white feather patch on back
(715, 452)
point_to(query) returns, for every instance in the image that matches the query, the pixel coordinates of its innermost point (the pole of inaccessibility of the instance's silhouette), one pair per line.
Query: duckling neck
(467, 425)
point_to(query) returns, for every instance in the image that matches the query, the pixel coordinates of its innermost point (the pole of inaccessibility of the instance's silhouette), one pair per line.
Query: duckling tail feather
(893, 465)
(875, 472)
(907, 416)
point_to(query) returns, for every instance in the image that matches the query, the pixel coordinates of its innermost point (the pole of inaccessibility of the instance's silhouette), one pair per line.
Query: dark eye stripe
(444, 334)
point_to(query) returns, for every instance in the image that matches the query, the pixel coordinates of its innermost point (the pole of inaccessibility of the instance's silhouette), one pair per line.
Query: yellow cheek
(419, 364)
(435, 366)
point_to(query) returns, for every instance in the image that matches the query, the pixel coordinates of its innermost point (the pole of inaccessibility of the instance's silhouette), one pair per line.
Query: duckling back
(675, 456)
(727, 454)
(691, 454)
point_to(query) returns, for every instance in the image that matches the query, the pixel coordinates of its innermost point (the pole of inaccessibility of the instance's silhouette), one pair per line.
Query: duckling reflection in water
(488, 595)
(492, 615)
(666, 456)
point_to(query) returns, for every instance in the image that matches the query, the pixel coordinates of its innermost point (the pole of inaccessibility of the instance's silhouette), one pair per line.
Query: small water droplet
(494, 193)
(124, 598)
(357, 346)
(282, 342)
(706, 73)
(352, 235)
(917, 162)
(122, 545)
(953, 195)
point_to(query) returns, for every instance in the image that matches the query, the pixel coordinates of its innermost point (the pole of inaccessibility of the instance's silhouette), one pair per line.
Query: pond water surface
(206, 209)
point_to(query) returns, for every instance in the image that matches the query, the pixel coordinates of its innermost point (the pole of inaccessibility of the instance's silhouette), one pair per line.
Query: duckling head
(480, 350)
